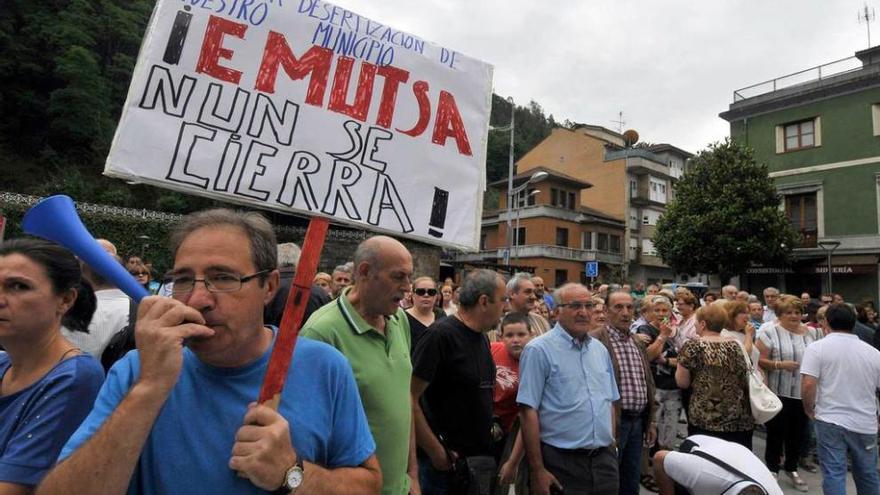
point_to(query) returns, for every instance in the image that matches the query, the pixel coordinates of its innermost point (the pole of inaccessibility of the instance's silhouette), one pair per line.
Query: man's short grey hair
(516, 279)
(753, 299)
(617, 291)
(255, 226)
(729, 287)
(771, 290)
(475, 284)
(557, 294)
(288, 255)
(343, 268)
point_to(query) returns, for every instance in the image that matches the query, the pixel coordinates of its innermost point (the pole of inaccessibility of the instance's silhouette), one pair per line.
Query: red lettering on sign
(363, 95)
(316, 61)
(393, 78)
(420, 89)
(213, 51)
(449, 124)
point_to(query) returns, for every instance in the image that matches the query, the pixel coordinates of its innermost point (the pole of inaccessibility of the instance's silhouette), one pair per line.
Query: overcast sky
(669, 66)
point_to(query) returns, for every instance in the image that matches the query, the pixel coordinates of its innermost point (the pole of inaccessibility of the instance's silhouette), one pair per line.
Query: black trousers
(786, 430)
(583, 472)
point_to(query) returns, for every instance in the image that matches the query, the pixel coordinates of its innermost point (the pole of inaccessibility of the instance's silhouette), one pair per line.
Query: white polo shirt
(848, 372)
(699, 475)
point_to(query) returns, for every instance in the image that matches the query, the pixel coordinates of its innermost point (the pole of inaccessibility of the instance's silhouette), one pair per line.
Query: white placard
(302, 106)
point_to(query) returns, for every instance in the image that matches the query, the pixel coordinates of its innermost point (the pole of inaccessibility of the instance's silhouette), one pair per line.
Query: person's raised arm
(106, 461)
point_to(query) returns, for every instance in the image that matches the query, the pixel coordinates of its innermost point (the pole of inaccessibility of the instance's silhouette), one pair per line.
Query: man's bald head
(377, 252)
(108, 246)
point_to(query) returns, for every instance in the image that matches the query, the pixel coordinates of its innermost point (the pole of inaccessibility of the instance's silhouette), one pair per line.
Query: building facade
(630, 184)
(552, 235)
(818, 131)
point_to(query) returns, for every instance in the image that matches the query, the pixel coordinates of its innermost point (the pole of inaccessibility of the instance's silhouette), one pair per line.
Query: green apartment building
(818, 130)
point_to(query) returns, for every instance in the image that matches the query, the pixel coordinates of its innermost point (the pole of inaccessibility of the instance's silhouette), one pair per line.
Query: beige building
(619, 192)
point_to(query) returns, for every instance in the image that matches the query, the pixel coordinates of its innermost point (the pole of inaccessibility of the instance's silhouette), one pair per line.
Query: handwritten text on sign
(311, 108)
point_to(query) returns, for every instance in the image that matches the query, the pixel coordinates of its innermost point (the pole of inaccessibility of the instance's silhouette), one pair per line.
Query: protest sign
(305, 107)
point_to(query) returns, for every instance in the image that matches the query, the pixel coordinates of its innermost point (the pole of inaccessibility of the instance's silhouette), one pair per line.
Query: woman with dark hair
(424, 310)
(47, 385)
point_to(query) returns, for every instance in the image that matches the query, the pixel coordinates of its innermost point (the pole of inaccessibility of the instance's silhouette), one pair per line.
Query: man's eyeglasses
(577, 306)
(214, 282)
(425, 292)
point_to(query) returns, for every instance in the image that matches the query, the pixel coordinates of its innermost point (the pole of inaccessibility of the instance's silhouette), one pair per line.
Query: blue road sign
(592, 269)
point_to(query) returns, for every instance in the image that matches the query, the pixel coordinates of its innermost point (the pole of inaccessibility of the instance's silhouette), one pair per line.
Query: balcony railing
(824, 71)
(545, 251)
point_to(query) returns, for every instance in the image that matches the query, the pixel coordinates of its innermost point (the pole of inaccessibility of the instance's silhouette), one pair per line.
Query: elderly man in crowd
(368, 326)
(729, 292)
(452, 384)
(566, 395)
(542, 293)
(340, 279)
(635, 424)
(522, 295)
(771, 295)
(174, 417)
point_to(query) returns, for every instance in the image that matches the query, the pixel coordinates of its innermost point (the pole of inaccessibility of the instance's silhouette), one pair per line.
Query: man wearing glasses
(368, 326)
(566, 396)
(177, 415)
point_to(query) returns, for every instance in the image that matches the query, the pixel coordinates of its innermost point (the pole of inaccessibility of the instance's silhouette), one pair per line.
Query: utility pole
(868, 16)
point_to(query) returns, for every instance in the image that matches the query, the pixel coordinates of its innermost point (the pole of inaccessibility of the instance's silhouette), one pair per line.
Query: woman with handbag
(782, 344)
(716, 371)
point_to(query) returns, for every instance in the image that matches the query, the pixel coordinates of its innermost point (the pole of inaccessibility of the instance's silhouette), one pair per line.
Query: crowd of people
(402, 384)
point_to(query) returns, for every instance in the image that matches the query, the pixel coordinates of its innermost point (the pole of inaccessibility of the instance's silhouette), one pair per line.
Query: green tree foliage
(531, 127)
(725, 216)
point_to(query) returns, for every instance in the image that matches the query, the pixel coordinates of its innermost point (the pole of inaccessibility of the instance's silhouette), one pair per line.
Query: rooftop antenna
(620, 122)
(868, 16)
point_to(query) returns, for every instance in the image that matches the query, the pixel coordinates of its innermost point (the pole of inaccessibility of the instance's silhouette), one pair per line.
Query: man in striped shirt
(635, 423)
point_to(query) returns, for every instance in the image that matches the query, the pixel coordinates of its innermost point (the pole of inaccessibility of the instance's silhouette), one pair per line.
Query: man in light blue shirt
(567, 396)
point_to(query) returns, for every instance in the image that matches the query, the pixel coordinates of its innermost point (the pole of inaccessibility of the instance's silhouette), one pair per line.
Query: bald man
(729, 292)
(368, 326)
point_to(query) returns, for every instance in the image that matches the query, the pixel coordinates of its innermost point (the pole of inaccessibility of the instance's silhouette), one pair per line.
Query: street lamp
(531, 193)
(829, 245)
(145, 241)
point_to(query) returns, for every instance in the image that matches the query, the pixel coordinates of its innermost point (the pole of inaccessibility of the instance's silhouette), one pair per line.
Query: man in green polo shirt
(367, 325)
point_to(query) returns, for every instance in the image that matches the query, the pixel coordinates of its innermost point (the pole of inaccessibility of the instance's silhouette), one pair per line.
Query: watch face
(294, 477)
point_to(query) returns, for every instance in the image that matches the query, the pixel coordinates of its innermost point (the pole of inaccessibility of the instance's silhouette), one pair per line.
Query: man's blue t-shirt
(37, 421)
(189, 447)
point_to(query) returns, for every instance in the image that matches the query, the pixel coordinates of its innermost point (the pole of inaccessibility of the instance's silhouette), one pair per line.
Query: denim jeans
(629, 453)
(432, 482)
(833, 442)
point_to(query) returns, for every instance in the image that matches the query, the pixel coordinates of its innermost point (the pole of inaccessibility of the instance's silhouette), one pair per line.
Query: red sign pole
(294, 309)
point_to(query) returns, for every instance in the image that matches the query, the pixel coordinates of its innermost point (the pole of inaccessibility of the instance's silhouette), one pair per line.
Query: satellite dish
(630, 137)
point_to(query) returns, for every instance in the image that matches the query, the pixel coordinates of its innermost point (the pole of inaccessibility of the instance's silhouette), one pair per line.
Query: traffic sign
(592, 269)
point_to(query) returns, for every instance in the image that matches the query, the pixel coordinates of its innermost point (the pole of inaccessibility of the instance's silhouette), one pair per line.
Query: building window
(648, 248)
(561, 278)
(802, 214)
(633, 248)
(633, 218)
(561, 237)
(615, 243)
(554, 196)
(676, 169)
(520, 236)
(650, 217)
(571, 205)
(602, 242)
(587, 240)
(633, 188)
(483, 238)
(799, 135)
(658, 190)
